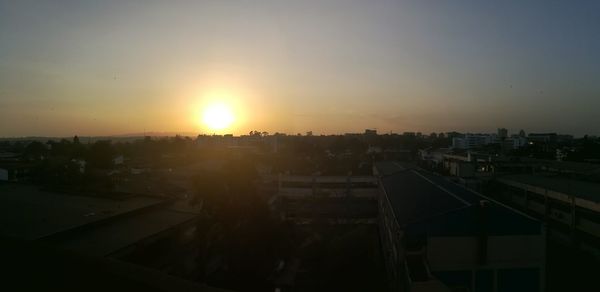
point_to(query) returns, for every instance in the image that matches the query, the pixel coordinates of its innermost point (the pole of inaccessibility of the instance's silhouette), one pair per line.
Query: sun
(218, 116)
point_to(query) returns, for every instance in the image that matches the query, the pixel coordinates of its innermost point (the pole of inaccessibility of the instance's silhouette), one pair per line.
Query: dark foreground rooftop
(29, 266)
(60, 242)
(29, 213)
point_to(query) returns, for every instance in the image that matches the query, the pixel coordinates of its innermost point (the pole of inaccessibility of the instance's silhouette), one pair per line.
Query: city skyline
(115, 67)
(313, 145)
(511, 133)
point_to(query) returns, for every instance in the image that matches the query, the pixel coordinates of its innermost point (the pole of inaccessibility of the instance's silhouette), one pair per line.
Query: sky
(327, 66)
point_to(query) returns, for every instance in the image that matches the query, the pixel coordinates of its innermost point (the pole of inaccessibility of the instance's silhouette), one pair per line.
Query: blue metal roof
(427, 203)
(413, 198)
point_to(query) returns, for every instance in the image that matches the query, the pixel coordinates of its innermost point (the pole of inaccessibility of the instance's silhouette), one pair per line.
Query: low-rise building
(433, 158)
(340, 199)
(543, 137)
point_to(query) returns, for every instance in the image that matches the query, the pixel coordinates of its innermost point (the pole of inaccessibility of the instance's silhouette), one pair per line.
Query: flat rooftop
(28, 213)
(582, 189)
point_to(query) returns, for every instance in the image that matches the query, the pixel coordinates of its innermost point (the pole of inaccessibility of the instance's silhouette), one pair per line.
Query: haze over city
(300, 145)
(116, 67)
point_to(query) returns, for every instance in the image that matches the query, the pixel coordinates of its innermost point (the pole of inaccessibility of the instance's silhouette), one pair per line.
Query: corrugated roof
(27, 212)
(414, 198)
(582, 189)
(112, 236)
(428, 203)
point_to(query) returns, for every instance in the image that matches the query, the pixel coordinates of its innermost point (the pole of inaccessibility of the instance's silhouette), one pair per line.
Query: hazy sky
(114, 67)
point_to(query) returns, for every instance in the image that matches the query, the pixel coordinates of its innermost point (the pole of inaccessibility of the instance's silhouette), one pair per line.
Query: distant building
(369, 132)
(502, 133)
(453, 134)
(515, 142)
(459, 143)
(543, 137)
(433, 157)
(564, 138)
(470, 141)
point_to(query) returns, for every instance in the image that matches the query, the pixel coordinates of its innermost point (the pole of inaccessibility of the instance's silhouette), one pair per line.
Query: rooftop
(582, 189)
(108, 238)
(65, 240)
(28, 213)
(425, 202)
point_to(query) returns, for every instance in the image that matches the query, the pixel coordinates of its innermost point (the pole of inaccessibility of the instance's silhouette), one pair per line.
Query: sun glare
(217, 116)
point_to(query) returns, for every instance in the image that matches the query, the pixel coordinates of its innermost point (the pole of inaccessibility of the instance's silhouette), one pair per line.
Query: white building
(471, 141)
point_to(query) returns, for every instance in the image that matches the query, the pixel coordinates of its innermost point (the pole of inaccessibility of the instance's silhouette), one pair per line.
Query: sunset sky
(117, 67)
